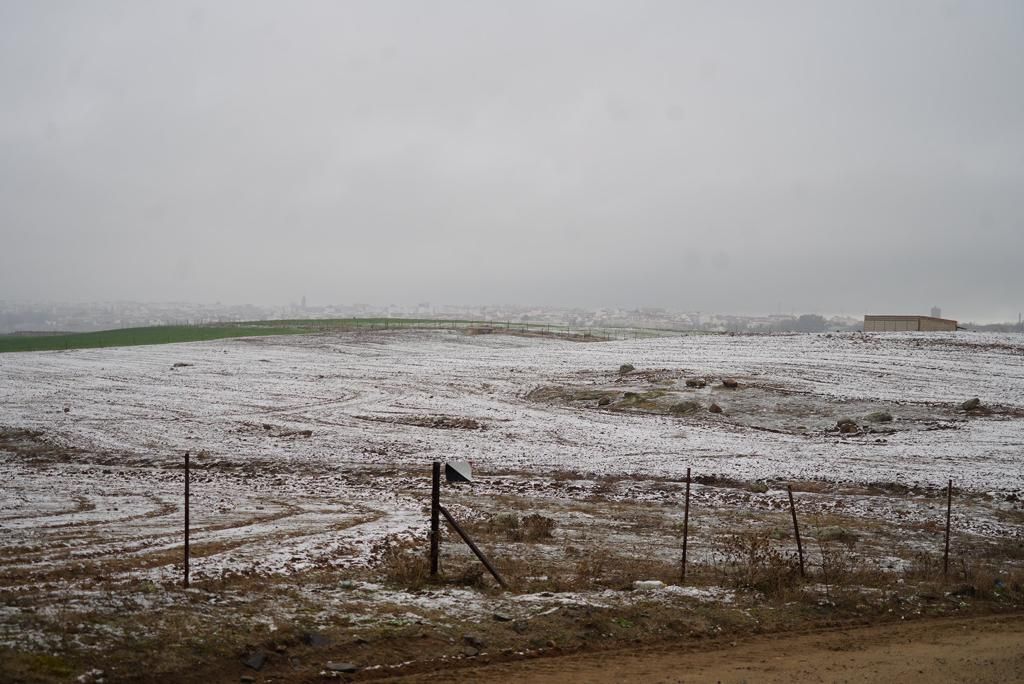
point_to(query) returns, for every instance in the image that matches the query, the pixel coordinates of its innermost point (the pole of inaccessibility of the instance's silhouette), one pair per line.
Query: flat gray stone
(348, 668)
(314, 639)
(256, 660)
(473, 640)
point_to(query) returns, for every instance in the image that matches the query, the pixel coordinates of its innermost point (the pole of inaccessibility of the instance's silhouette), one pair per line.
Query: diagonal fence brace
(473, 547)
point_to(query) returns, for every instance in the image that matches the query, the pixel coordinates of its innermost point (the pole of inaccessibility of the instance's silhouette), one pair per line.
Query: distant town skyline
(87, 316)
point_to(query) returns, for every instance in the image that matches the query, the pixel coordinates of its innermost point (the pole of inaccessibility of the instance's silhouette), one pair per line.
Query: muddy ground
(982, 650)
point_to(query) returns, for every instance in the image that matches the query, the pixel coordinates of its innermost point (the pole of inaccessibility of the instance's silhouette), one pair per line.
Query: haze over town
(747, 158)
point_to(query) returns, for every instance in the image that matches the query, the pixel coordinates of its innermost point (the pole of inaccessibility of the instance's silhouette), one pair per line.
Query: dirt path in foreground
(989, 649)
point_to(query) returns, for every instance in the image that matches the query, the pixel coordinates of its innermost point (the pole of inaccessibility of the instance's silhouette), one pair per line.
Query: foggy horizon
(406, 309)
(810, 157)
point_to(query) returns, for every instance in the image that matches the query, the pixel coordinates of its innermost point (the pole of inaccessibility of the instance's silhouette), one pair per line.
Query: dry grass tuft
(406, 567)
(753, 562)
(532, 527)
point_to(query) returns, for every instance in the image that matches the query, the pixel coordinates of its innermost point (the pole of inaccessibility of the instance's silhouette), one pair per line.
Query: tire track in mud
(122, 547)
(291, 550)
(255, 410)
(82, 506)
(163, 508)
(284, 552)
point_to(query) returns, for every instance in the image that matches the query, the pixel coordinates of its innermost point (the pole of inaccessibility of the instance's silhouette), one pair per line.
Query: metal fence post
(186, 520)
(686, 527)
(435, 510)
(796, 529)
(949, 510)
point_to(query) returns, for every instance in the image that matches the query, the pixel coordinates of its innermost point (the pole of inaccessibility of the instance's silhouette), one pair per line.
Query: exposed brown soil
(985, 649)
(438, 422)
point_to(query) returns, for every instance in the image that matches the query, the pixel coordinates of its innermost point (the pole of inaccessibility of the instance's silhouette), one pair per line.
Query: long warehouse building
(907, 324)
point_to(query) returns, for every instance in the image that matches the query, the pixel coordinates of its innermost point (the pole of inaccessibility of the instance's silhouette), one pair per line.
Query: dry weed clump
(751, 561)
(923, 567)
(409, 568)
(982, 578)
(406, 567)
(584, 568)
(843, 571)
(532, 527)
(602, 568)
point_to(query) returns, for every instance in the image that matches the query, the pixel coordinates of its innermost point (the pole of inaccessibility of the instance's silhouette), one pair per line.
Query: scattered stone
(315, 640)
(879, 417)
(336, 666)
(971, 404)
(626, 368)
(255, 660)
(696, 382)
(715, 408)
(470, 652)
(731, 383)
(684, 407)
(502, 617)
(847, 426)
(474, 641)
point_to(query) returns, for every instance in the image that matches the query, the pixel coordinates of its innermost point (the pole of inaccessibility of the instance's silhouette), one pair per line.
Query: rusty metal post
(186, 519)
(473, 547)
(796, 529)
(686, 527)
(435, 523)
(949, 510)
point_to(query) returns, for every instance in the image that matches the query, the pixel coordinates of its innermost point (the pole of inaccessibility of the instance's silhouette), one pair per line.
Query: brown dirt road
(987, 649)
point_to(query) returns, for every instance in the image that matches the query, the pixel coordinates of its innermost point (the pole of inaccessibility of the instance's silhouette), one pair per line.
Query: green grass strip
(168, 334)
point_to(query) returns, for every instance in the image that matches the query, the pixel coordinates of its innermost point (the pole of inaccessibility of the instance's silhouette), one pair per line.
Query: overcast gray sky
(721, 156)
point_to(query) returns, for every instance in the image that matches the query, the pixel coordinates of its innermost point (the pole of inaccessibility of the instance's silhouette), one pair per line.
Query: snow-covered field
(313, 452)
(353, 391)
